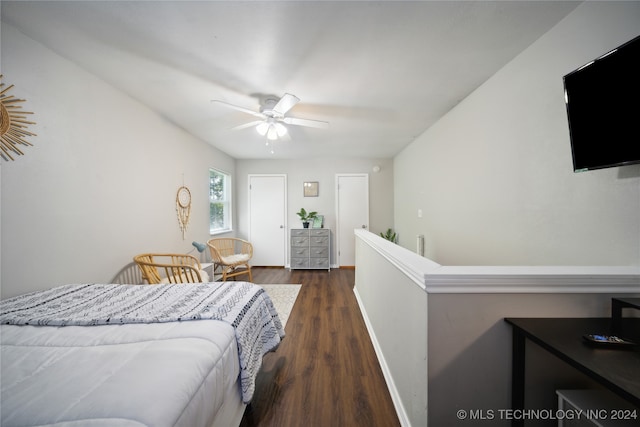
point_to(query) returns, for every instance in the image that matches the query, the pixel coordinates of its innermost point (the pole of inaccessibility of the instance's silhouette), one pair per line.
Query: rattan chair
(130, 274)
(232, 255)
(170, 268)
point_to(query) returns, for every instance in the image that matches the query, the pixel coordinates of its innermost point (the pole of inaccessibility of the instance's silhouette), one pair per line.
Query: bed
(134, 355)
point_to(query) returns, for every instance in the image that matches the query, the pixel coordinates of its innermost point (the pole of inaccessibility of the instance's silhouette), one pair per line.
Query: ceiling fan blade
(306, 122)
(285, 104)
(247, 125)
(236, 107)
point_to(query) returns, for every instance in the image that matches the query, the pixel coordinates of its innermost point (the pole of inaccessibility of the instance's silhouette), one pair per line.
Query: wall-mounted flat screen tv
(603, 108)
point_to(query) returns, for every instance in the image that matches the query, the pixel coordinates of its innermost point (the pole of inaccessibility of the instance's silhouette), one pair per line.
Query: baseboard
(393, 390)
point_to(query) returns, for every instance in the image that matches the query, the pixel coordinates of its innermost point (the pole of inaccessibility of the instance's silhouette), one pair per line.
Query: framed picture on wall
(310, 189)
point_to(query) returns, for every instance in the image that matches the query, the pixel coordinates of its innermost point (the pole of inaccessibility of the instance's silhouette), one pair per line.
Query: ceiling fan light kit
(272, 114)
(262, 128)
(271, 129)
(281, 129)
(272, 135)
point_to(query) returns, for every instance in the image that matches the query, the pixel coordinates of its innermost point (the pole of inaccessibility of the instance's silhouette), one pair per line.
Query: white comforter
(126, 355)
(243, 305)
(161, 374)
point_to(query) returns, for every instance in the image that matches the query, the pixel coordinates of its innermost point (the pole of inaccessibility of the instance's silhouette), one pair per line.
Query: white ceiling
(380, 73)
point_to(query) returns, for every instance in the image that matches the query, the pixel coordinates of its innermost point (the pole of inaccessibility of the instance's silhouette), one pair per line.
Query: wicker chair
(232, 255)
(130, 274)
(170, 268)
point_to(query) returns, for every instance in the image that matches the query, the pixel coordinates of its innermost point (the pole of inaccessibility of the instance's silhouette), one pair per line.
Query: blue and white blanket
(244, 305)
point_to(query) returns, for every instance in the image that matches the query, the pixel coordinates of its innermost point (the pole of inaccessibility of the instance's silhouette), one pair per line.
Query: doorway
(268, 219)
(352, 211)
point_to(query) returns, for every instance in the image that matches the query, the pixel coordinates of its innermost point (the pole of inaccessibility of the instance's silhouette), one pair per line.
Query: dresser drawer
(319, 241)
(319, 232)
(298, 233)
(299, 251)
(300, 241)
(319, 263)
(299, 262)
(319, 252)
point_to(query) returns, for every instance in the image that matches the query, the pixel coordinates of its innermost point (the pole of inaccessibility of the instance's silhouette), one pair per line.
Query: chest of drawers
(310, 248)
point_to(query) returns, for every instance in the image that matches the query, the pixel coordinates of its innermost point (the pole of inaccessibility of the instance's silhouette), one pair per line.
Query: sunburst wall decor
(13, 124)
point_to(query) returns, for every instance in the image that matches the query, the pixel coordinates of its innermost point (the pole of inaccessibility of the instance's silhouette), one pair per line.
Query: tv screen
(602, 99)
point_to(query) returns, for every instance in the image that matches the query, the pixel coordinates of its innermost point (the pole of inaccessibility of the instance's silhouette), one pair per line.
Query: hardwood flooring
(325, 372)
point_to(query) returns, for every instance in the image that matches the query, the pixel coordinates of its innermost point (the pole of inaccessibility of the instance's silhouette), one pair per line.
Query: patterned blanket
(244, 305)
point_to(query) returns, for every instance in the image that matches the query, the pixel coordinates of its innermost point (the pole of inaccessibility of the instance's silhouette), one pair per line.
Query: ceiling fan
(272, 116)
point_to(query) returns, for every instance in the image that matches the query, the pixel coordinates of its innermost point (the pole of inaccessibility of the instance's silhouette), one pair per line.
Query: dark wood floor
(325, 372)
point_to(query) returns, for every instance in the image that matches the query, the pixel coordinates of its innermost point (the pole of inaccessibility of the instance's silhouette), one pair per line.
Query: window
(219, 202)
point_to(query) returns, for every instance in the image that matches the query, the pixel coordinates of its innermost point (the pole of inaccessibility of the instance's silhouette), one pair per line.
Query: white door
(268, 219)
(352, 211)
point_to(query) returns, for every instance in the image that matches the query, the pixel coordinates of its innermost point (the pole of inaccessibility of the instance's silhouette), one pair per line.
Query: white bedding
(243, 305)
(77, 375)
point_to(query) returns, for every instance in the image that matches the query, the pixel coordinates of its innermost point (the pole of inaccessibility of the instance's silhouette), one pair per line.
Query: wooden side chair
(170, 268)
(232, 255)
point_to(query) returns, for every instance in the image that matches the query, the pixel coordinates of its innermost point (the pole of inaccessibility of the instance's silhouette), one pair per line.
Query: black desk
(618, 370)
(617, 304)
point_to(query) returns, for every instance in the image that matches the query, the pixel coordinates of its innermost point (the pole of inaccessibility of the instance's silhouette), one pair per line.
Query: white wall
(99, 185)
(494, 177)
(322, 170)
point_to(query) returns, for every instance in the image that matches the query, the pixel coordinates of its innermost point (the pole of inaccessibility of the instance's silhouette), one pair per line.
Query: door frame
(337, 192)
(286, 208)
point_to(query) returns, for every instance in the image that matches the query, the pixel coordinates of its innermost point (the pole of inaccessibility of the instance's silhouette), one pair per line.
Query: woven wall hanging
(13, 125)
(183, 208)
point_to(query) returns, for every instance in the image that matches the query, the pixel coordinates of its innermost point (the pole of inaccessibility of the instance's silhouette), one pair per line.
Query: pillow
(235, 259)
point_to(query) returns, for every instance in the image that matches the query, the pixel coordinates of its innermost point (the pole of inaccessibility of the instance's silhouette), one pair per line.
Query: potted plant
(306, 217)
(390, 235)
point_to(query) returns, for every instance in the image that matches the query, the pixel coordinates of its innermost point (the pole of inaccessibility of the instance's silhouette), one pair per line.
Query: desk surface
(628, 302)
(616, 369)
